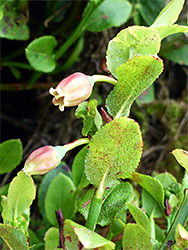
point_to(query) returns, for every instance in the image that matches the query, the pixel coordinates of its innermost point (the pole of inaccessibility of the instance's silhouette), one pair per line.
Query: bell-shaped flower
(42, 160)
(72, 90)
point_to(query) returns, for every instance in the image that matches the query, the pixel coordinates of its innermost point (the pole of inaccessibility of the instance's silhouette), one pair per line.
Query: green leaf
(59, 195)
(78, 174)
(13, 237)
(109, 15)
(21, 194)
(114, 152)
(92, 120)
(43, 188)
(84, 202)
(16, 72)
(180, 217)
(149, 10)
(3, 191)
(134, 76)
(23, 221)
(10, 155)
(166, 179)
(181, 157)
(152, 186)
(140, 217)
(179, 55)
(75, 235)
(115, 202)
(117, 225)
(147, 96)
(181, 236)
(169, 14)
(130, 42)
(40, 53)
(150, 205)
(51, 238)
(13, 22)
(159, 233)
(136, 238)
(1, 14)
(33, 239)
(183, 186)
(165, 31)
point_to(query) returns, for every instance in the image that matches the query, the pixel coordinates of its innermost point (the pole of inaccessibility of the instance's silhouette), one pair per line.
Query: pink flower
(71, 91)
(42, 160)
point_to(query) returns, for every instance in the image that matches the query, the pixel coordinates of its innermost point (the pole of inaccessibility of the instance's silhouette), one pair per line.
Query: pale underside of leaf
(169, 14)
(135, 40)
(165, 31)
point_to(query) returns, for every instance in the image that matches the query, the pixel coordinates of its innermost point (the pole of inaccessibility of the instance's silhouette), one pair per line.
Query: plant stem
(102, 78)
(72, 58)
(76, 143)
(79, 29)
(152, 223)
(60, 219)
(17, 64)
(96, 205)
(180, 217)
(94, 211)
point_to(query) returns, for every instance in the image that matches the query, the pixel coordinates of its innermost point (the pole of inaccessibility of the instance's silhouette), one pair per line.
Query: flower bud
(71, 91)
(42, 160)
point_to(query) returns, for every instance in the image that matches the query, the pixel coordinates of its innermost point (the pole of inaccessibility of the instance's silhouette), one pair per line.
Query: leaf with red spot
(106, 15)
(77, 236)
(134, 77)
(114, 152)
(13, 237)
(13, 20)
(40, 53)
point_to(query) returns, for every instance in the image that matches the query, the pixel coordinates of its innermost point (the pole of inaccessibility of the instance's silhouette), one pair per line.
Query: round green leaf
(109, 15)
(40, 53)
(128, 43)
(51, 238)
(59, 195)
(10, 155)
(45, 183)
(114, 152)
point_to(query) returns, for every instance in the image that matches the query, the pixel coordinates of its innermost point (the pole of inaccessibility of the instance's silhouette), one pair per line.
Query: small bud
(71, 91)
(42, 160)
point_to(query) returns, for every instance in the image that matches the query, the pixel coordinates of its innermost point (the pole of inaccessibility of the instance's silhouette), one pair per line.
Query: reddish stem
(60, 219)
